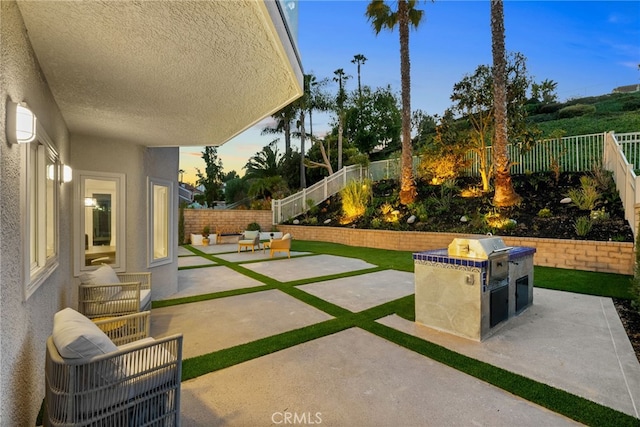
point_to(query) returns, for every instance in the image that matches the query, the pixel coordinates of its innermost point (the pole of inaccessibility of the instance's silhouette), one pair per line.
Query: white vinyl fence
(569, 154)
(621, 156)
(619, 153)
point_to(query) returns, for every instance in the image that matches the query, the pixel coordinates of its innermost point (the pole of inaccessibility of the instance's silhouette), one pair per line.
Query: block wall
(588, 255)
(230, 221)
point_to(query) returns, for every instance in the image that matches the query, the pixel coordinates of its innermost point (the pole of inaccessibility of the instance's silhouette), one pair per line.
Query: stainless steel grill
(473, 285)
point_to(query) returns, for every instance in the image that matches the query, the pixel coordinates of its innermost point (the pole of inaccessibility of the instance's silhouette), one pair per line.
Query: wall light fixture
(21, 123)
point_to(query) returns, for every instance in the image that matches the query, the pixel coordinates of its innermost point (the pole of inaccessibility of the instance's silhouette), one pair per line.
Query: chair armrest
(143, 277)
(281, 244)
(125, 329)
(142, 378)
(109, 299)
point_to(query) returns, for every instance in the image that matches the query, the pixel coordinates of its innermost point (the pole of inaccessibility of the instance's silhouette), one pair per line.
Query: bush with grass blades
(356, 196)
(583, 226)
(585, 197)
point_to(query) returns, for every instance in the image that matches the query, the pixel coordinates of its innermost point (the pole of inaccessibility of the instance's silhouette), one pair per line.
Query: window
(41, 179)
(99, 220)
(160, 246)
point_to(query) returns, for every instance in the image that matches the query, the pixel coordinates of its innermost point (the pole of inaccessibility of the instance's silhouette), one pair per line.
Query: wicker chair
(132, 385)
(281, 245)
(125, 329)
(249, 239)
(105, 293)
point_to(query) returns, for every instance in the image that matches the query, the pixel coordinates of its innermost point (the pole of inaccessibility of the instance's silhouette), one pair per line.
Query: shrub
(549, 108)
(438, 168)
(254, 226)
(420, 211)
(582, 226)
(544, 213)
(631, 105)
(356, 196)
(599, 215)
(585, 197)
(576, 111)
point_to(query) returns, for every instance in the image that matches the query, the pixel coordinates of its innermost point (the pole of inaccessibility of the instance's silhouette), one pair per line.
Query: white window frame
(79, 178)
(166, 216)
(38, 181)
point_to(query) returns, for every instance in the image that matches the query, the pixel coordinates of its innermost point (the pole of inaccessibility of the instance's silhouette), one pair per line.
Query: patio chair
(105, 293)
(90, 381)
(125, 329)
(281, 245)
(249, 239)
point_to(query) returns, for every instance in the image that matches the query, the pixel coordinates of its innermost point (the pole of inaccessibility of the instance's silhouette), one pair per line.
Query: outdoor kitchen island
(472, 287)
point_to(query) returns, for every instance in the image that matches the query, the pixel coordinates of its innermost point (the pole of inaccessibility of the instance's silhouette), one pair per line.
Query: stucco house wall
(25, 325)
(137, 162)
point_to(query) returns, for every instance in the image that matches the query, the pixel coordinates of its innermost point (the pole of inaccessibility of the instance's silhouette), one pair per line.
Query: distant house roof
(627, 89)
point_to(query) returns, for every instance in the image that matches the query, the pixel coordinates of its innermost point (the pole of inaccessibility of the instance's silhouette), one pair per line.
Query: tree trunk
(504, 194)
(407, 185)
(287, 138)
(340, 131)
(303, 172)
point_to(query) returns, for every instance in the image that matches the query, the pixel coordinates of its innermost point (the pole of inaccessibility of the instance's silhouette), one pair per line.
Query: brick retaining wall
(588, 255)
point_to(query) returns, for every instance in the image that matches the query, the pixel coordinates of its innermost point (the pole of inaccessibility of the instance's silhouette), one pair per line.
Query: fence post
(324, 187)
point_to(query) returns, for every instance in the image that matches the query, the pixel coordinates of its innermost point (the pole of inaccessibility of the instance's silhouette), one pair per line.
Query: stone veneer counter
(455, 295)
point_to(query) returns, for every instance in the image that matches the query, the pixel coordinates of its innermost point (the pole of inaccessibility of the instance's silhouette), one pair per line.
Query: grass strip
(211, 362)
(384, 258)
(583, 282)
(314, 301)
(560, 401)
(206, 297)
(306, 281)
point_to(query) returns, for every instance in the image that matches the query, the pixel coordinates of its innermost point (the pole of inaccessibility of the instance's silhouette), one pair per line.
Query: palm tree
(301, 106)
(359, 59)
(340, 77)
(504, 194)
(381, 16)
(264, 163)
(283, 118)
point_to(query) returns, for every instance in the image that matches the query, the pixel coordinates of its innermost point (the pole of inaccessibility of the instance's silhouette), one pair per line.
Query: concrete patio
(572, 342)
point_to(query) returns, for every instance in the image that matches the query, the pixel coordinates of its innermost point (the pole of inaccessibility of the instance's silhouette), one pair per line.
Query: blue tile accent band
(442, 256)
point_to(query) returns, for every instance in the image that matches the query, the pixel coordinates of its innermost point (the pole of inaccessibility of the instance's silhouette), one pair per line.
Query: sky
(587, 47)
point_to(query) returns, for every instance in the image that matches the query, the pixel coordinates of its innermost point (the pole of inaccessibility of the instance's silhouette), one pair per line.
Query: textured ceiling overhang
(164, 73)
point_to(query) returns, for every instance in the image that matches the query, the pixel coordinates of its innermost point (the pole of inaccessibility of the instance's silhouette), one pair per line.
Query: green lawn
(562, 402)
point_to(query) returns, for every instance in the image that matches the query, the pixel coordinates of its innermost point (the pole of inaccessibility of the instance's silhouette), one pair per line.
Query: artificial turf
(560, 401)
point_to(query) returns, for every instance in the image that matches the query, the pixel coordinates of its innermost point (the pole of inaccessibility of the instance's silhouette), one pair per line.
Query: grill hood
(482, 248)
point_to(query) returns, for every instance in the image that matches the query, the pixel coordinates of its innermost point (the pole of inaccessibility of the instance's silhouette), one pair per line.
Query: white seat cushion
(102, 276)
(77, 337)
(105, 275)
(250, 235)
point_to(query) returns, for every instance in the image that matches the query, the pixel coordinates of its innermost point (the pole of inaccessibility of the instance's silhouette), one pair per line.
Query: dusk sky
(587, 47)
